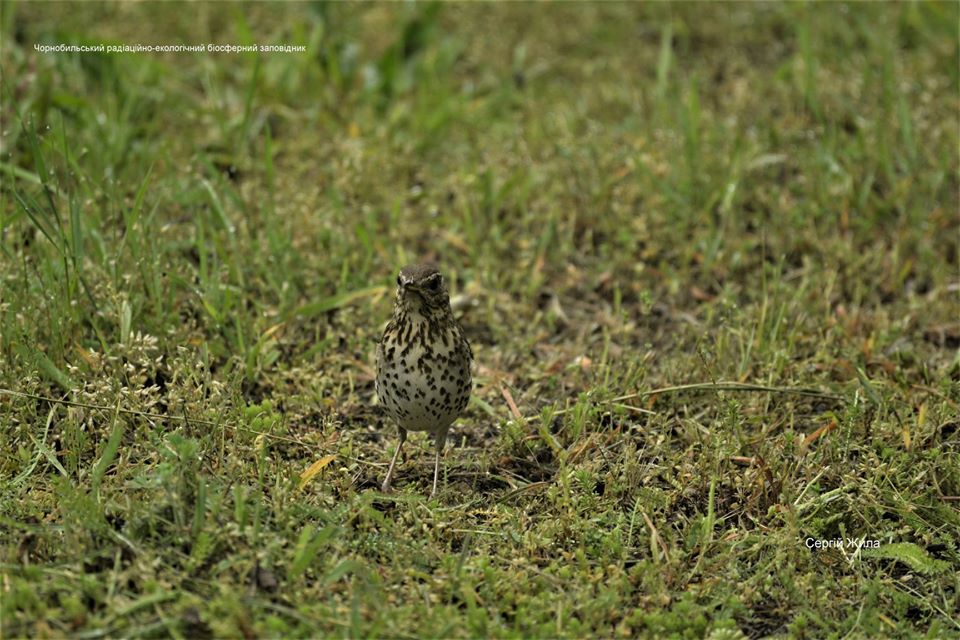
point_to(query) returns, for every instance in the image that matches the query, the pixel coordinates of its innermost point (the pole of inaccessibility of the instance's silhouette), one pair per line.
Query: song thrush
(423, 362)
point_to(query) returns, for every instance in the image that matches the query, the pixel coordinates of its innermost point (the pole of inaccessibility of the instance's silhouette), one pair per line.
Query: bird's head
(422, 285)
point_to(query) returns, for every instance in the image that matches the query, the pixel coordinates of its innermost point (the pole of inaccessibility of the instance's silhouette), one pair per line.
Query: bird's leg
(441, 441)
(396, 454)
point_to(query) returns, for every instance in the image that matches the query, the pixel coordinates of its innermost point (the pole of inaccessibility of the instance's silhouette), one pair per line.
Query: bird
(423, 362)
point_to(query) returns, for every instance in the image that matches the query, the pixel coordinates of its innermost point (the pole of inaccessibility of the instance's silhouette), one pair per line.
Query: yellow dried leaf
(315, 468)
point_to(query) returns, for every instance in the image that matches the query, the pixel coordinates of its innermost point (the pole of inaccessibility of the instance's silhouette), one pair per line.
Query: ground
(706, 256)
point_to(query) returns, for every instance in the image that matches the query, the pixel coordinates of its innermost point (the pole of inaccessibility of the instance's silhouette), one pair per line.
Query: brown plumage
(423, 361)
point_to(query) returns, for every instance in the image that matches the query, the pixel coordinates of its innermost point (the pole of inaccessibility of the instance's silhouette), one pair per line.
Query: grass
(662, 222)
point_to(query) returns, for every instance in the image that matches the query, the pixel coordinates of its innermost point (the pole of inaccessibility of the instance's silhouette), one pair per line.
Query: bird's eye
(398, 281)
(433, 284)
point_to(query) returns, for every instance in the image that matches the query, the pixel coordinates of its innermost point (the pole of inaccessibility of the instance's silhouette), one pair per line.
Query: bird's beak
(408, 284)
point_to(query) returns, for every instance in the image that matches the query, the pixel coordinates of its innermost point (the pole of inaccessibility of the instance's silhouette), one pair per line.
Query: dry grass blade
(706, 386)
(510, 403)
(153, 416)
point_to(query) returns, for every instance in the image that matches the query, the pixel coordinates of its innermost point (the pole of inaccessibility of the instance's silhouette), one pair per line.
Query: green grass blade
(314, 309)
(109, 452)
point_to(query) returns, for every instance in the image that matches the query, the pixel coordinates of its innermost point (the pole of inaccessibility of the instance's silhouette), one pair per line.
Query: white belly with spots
(421, 388)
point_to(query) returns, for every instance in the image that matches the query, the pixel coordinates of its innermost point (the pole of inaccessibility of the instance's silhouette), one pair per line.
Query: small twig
(655, 536)
(533, 486)
(629, 407)
(730, 386)
(477, 531)
(703, 386)
(822, 431)
(937, 393)
(510, 403)
(84, 405)
(808, 485)
(916, 594)
(155, 416)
